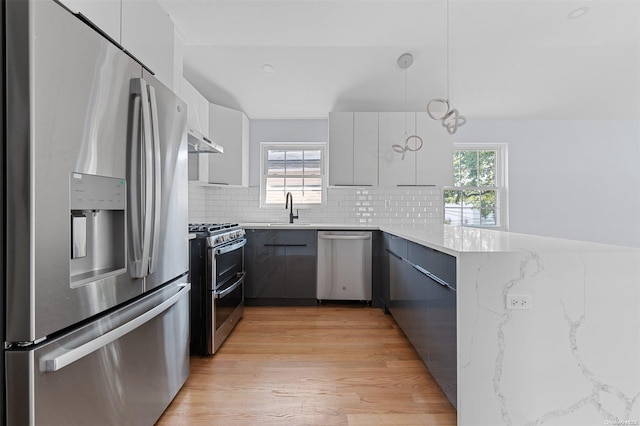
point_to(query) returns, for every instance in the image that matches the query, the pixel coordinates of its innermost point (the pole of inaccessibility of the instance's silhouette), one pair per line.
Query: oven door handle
(232, 247)
(223, 293)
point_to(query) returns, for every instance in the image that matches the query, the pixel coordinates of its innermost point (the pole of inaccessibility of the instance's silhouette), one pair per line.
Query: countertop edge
(459, 240)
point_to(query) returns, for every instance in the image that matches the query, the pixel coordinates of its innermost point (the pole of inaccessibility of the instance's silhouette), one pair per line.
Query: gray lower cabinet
(422, 300)
(280, 267)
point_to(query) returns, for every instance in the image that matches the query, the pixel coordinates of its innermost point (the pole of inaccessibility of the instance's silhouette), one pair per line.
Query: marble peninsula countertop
(456, 240)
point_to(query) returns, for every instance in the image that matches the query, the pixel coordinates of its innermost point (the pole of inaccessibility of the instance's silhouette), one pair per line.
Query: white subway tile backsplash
(344, 205)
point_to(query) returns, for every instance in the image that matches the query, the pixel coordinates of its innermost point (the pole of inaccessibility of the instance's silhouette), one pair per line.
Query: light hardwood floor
(324, 365)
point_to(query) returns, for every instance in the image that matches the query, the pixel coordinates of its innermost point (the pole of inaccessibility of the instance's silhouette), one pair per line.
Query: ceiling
(506, 59)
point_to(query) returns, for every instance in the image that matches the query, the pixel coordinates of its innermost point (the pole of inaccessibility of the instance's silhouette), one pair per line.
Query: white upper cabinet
(197, 119)
(365, 148)
(197, 108)
(394, 127)
(341, 148)
(361, 150)
(435, 159)
(229, 128)
(147, 33)
(143, 28)
(103, 13)
(353, 148)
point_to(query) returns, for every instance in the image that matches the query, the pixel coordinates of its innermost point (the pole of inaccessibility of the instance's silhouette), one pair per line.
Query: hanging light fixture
(404, 61)
(441, 109)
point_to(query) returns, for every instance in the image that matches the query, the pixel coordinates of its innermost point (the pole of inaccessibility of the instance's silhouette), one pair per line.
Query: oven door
(226, 291)
(226, 309)
(225, 262)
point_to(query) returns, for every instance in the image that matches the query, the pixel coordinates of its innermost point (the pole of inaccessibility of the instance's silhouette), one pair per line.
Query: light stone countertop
(456, 240)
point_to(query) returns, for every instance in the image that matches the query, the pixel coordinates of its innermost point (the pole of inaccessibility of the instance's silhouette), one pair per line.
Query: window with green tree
(478, 195)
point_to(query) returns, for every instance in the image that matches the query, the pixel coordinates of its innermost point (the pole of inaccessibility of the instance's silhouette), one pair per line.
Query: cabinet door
(104, 13)
(147, 33)
(341, 148)
(365, 148)
(394, 127)
(441, 334)
(420, 289)
(435, 159)
(267, 265)
(301, 272)
(301, 255)
(229, 128)
(399, 291)
(197, 108)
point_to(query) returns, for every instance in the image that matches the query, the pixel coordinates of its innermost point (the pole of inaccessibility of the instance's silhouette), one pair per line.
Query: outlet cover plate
(519, 301)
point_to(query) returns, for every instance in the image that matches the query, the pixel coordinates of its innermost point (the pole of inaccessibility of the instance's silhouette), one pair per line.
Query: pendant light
(404, 61)
(450, 118)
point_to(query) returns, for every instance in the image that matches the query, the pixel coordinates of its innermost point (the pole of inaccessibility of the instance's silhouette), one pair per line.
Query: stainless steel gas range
(217, 279)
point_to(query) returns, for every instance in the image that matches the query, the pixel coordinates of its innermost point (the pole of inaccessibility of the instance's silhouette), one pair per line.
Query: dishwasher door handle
(345, 237)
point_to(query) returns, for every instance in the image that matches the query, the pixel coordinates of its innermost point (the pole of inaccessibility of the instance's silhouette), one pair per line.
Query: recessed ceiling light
(578, 13)
(267, 69)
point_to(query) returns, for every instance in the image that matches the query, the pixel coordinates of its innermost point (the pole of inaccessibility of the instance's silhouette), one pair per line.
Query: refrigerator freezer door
(68, 106)
(169, 246)
(109, 371)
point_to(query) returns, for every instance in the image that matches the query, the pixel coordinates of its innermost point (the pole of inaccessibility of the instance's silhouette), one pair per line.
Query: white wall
(281, 131)
(569, 178)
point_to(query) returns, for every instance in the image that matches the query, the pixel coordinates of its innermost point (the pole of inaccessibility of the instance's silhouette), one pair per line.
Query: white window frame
(264, 146)
(501, 187)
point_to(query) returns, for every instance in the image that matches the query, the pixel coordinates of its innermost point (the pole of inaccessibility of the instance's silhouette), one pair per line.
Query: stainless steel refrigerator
(95, 255)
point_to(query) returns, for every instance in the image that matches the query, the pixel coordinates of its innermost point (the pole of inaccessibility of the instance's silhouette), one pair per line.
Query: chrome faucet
(286, 206)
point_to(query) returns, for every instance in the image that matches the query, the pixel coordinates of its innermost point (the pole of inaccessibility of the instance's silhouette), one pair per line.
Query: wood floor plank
(324, 365)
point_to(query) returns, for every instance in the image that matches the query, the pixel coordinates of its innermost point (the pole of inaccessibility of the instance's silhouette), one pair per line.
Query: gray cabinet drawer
(440, 264)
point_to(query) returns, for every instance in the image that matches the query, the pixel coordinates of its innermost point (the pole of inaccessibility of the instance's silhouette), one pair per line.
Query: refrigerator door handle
(157, 180)
(141, 196)
(59, 362)
(134, 208)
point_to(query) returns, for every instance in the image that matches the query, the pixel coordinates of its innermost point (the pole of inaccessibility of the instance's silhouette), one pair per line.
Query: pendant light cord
(451, 118)
(447, 50)
(405, 102)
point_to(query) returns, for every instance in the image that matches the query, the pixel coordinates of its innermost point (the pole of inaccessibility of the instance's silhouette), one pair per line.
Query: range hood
(200, 144)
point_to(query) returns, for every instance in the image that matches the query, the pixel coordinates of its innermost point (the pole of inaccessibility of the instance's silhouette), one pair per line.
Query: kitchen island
(571, 358)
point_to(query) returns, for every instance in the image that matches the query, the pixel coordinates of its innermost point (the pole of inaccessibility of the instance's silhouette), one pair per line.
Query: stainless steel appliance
(344, 265)
(95, 256)
(217, 277)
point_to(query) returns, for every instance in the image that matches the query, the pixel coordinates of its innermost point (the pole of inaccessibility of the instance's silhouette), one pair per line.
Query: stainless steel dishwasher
(344, 265)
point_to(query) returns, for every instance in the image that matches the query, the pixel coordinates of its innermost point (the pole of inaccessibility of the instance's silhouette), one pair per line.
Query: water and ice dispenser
(98, 227)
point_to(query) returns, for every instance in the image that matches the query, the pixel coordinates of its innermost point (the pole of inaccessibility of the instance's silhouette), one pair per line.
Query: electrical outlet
(387, 203)
(519, 301)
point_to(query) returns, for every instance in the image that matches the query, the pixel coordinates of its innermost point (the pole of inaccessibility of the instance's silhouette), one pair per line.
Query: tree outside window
(475, 198)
